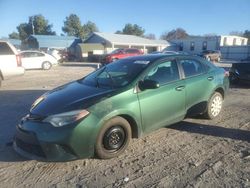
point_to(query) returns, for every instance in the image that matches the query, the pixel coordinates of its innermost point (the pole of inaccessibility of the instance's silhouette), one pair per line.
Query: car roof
(155, 57)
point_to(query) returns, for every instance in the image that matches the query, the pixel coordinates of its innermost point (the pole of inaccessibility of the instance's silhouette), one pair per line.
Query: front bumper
(43, 142)
(27, 144)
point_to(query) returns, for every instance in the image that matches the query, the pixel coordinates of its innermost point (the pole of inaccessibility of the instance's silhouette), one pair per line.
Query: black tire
(46, 65)
(113, 138)
(214, 106)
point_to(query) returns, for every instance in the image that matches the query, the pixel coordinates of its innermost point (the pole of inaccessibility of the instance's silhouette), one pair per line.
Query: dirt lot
(193, 153)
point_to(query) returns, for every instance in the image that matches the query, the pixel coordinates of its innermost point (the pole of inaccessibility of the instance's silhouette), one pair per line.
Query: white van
(10, 61)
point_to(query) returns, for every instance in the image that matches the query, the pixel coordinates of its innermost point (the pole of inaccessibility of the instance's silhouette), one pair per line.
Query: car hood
(72, 96)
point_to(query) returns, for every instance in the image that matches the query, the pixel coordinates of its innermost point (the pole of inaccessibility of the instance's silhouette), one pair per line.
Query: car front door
(198, 82)
(166, 104)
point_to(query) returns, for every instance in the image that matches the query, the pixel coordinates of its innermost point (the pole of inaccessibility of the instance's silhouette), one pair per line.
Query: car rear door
(198, 83)
(164, 105)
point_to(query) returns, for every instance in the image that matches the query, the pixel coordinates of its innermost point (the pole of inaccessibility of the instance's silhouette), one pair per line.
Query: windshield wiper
(109, 75)
(111, 78)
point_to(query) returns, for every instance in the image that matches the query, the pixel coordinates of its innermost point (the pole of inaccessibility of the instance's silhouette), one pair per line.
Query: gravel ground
(192, 153)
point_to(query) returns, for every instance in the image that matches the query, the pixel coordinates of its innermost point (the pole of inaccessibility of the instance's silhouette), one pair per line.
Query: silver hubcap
(216, 105)
(46, 65)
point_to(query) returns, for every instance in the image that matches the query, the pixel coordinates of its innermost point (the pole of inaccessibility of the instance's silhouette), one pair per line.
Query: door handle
(210, 78)
(179, 88)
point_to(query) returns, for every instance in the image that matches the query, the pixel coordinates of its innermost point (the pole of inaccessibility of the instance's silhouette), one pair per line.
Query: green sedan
(100, 113)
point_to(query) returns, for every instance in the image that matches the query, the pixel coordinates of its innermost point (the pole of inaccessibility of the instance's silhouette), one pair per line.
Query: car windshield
(117, 74)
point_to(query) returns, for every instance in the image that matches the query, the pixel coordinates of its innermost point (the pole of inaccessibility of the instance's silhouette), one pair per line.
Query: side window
(164, 73)
(27, 54)
(39, 54)
(32, 54)
(181, 46)
(204, 45)
(131, 51)
(192, 46)
(192, 67)
(5, 49)
(23, 55)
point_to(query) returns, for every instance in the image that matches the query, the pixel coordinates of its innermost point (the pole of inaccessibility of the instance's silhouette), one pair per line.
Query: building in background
(224, 43)
(197, 44)
(102, 43)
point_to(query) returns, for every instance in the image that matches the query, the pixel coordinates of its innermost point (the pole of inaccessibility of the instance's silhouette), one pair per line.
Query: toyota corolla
(100, 113)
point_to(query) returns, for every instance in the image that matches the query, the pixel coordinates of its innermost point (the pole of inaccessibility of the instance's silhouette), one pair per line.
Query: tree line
(72, 26)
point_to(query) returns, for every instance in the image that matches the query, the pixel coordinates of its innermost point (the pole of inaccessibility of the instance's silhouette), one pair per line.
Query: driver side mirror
(148, 84)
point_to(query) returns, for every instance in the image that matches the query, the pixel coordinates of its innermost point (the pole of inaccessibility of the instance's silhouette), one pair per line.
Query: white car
(37, 60)
(10, 61)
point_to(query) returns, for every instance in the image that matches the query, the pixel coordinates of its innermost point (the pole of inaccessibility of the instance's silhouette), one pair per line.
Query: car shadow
(80, 64)
(14, 104)
(212, 130)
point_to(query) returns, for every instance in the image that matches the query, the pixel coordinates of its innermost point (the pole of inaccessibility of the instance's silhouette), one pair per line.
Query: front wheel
(113, 139)
(214, 106)
(46, 65)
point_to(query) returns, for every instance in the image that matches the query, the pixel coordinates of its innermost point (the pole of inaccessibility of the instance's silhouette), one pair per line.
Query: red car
(120, 53)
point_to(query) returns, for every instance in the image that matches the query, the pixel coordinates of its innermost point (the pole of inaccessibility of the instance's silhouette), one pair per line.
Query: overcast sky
(197, 17)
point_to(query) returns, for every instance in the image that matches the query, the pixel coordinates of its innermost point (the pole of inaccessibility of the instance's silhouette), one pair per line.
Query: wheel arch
(134, 127)
(221, 91)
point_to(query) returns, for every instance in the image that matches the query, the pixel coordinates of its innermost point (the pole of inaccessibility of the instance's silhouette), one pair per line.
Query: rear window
(192, 67)
(5, 49)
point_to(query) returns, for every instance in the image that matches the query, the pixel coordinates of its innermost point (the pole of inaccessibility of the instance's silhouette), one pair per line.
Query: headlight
(67, 118)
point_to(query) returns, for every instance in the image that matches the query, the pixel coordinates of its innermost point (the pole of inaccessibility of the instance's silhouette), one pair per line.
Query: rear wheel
(113, 139)
(214, 106)
(46, 65)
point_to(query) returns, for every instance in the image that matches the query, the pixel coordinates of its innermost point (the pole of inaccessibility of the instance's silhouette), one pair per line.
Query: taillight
(18, 60)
